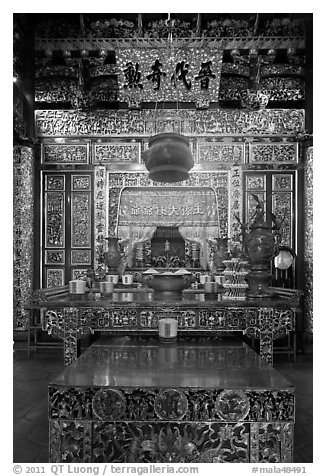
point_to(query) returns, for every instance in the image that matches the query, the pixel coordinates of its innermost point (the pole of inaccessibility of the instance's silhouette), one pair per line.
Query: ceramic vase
(112, 255)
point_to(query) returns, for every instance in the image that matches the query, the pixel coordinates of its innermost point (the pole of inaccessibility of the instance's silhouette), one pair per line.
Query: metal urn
(260, 247)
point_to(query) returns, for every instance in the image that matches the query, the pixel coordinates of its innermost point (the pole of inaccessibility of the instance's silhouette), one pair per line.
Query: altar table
(137, 312)
(142, 401)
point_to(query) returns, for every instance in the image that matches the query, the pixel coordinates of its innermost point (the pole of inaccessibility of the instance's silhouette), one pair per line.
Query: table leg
(70, 335)
(266, 315)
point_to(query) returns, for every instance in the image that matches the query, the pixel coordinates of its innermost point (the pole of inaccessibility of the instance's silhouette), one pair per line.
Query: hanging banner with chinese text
(171, 206)
(188, 74)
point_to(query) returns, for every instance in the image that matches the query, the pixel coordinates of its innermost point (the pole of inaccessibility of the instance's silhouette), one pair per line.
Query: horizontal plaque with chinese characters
(169, 74)
(169, 206)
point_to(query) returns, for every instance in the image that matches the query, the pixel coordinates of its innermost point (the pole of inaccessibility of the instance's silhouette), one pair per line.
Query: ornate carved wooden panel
(277, 191)
(116, 152)
(308, 239)
(63, 152)
(67, 243)
(65, 123)
(23, 232)
(220, 152)
(273, 153)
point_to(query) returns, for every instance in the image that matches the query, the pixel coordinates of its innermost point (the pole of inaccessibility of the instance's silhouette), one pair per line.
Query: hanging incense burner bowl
(168, 158)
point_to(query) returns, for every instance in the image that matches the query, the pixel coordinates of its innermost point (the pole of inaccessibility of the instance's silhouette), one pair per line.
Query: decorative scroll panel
(119, 152)
(100, 211)
(23, 235)
(69, 123)
(54, 277)
(54, 220)
(80, 220)
(220, 153)
(74, 152)
(273, 153)
(236, 204)
(163, 74)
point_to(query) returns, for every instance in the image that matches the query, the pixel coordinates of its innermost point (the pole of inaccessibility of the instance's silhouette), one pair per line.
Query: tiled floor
(32, 375)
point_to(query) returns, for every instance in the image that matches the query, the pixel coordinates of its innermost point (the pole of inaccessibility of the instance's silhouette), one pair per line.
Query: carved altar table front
(138, 313)
(198, 401)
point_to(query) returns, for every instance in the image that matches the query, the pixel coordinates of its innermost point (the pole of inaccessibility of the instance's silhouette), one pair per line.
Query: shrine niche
(194, 213)
(168, 248)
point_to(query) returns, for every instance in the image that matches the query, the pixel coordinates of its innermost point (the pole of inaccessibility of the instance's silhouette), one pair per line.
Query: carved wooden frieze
(284, 89)
(149, 442)
(220, 152)
(73, 152)
(116, 152)
(273, 153)
(66, 123)
(187, 404)
(54, 90)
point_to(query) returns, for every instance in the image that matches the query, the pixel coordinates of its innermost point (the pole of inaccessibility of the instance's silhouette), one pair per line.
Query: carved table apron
(71, 319)
(193, 402)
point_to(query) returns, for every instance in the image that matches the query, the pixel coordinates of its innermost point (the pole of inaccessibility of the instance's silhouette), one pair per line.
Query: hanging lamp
(168, 158)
